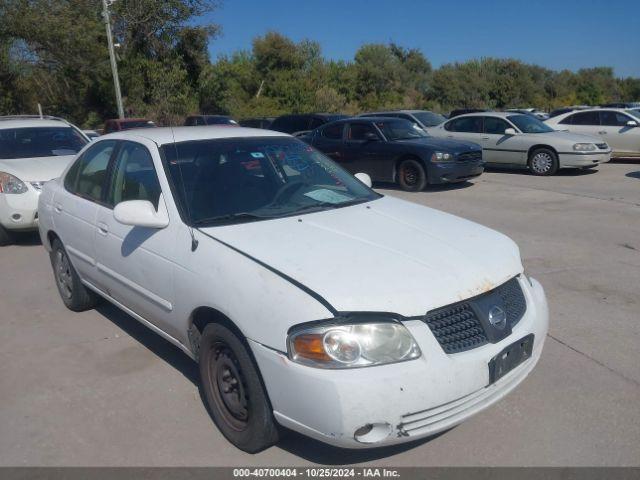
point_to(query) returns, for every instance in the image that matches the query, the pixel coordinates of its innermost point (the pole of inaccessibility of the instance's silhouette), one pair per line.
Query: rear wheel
(6, 238)
(411, 175)
(233, 390)
(74, 294)
(543, 161)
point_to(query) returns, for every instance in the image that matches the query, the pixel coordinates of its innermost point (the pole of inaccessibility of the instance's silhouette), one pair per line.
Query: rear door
(465, 128)
(76, 205)
(587, 123)
(620, 137)
(329, 140)
(498, 147)
(135, 263)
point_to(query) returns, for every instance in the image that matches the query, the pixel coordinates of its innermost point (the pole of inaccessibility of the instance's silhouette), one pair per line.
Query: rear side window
(134, 176)
(582, 118)
(465, 124)
(614, 119)
(495, 126)
(333, 132)
(359, 131)
(87, 176)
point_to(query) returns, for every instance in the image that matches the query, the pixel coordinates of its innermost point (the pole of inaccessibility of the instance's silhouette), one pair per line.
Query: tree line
(54, 52)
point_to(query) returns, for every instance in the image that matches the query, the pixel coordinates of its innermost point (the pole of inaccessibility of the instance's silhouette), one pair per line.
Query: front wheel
(74, 294)
(233, 390)
(6, 238)
(411, 175)
(543, 162)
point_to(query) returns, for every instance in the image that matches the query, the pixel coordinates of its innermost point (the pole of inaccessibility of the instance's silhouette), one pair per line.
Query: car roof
(490, 113)
(164, 135)
(30, 122)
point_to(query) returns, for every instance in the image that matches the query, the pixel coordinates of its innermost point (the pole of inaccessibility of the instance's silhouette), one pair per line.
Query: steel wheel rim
(410, 175)
(542, 162)
(229, 390)
(63, 274)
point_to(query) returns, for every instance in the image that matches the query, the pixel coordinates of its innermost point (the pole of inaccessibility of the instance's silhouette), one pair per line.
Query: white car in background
(308, 299)
(619, 127)
(33, 150)
(521, 140)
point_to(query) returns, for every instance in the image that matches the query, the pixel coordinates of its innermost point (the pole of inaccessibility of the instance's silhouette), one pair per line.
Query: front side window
(465, 125)
(529, 124)
(35, 142)
(87, 176)
(398, 129)
(360, 131)
(134, 176)
(613, 119)
(245, 179)
(495, 126)
(333, 131)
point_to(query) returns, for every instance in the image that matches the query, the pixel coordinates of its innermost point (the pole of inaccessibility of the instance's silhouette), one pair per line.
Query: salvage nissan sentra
(309, 300)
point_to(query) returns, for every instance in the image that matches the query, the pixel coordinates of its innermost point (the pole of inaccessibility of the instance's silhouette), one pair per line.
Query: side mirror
(140, 213)
(364, 178)
(632, 123)
(510, 131)
(371, 137)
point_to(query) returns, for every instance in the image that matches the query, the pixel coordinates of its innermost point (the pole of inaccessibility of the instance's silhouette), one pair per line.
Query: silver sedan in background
(521, 140)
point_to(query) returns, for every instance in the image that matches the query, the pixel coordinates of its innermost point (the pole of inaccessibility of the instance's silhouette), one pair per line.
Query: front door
(362, 150)
(134, 263)
(615, 131)
(497, 147)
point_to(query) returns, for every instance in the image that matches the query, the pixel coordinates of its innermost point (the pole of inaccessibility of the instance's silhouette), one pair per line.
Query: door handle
(103, 228)
(602, 132)
(57, 207)
(485, 138)
(449, 136)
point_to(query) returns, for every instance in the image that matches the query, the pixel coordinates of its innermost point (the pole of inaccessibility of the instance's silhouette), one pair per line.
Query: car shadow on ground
(26, 239)
(626, 160)
(427, 189)
(322, 453)
(564, 172)
(633, 174)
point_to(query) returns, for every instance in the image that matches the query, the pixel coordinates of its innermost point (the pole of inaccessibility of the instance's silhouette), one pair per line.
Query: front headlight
(584, 147)
(441, 157)
(352, 344)
(11, 185)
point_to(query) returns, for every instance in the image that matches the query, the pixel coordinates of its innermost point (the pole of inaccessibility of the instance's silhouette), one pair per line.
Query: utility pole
(112, 57)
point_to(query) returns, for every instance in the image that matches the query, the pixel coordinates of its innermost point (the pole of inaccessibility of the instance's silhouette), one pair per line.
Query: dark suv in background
(301, 124)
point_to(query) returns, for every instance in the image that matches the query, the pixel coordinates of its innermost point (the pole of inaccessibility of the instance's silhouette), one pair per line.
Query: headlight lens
(441, 157)
(352, 345)
(584, 147)
(10, 184)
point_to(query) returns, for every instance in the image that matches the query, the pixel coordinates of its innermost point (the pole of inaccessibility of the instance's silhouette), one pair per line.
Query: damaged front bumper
(389, 404)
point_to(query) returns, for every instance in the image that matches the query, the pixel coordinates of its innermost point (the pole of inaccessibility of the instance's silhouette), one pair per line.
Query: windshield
(429, 119)
(529, 124)
(40, 142)
(244, 179)
(398, 129)
(635, 112)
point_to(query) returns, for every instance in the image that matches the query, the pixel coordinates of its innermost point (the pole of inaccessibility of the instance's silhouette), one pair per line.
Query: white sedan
(308, 300)
(618, 127)
(522, 141)
(33, 150)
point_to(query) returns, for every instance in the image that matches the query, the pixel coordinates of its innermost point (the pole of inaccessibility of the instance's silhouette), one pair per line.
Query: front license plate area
(510, 358)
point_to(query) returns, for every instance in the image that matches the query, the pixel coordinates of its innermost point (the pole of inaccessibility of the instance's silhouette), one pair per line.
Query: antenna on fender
(194, 240)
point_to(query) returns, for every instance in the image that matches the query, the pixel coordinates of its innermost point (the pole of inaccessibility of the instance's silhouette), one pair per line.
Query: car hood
(387, 255)
(36, 169)
(456, 146)
(568, 137)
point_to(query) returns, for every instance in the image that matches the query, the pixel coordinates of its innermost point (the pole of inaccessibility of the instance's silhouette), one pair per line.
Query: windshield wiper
(231, 217)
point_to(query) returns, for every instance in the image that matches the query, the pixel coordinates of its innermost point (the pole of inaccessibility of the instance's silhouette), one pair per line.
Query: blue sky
(556, 34)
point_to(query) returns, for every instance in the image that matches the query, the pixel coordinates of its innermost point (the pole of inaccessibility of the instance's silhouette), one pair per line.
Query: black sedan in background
(396, 150)
(301, 124)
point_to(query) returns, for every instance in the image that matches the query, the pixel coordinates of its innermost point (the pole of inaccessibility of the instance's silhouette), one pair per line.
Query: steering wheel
(288, 188)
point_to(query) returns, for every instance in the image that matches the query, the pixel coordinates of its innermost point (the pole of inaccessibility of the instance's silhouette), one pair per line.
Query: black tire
(6, 238)
(543, 162)
(411, 175)
(74, 294)
(243, 412)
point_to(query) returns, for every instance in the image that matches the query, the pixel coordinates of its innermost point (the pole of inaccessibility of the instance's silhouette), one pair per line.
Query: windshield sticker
(257, 154)
(329, 196)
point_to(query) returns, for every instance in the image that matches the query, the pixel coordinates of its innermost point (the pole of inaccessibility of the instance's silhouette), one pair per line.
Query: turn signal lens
(10, 184)
(310, 346)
